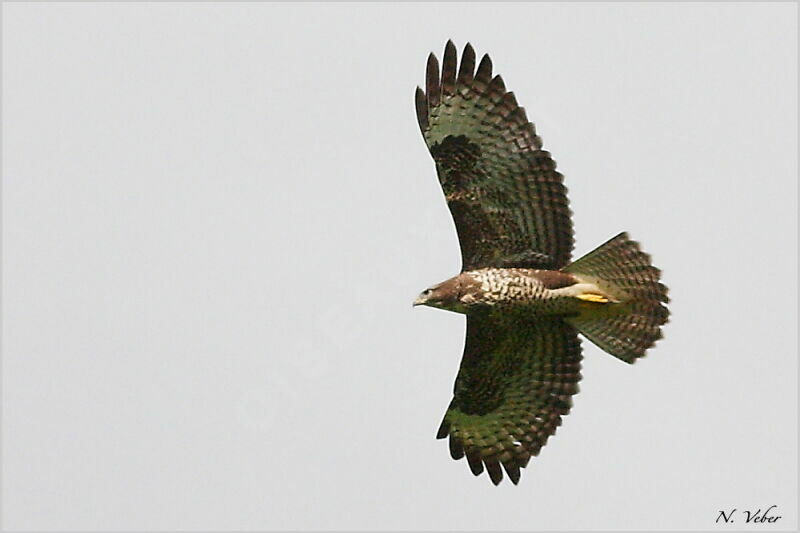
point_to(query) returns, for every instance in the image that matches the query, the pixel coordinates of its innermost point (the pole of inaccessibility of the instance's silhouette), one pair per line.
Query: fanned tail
(632, 324)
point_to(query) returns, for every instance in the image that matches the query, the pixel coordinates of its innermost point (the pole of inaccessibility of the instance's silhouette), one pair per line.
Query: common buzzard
(524, 300)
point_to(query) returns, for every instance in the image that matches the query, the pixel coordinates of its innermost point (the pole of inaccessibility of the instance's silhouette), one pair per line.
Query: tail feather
(627, 328)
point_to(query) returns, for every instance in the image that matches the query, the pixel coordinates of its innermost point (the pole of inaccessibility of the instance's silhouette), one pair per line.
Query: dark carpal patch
(456, 155)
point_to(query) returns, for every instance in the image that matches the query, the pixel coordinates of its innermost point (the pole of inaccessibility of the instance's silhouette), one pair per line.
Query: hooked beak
(419, 301)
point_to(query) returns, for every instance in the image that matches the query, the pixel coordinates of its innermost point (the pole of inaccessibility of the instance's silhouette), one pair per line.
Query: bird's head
(445, 295)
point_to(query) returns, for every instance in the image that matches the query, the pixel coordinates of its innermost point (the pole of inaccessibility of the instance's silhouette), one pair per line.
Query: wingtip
(466, 72)
(513, 472)
(498, 86)
(421, 104)
(449, 64)
(432, 68)
(475, 463)
(419, 95)
(484, 72)
(495, 472)
(432, 82)
(456, 448)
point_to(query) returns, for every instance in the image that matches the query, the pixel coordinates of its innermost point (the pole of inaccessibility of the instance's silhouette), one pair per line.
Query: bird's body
(524, 299)
(532, 291)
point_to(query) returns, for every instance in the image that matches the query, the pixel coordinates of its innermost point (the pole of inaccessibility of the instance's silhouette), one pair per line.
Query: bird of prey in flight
(524, 300)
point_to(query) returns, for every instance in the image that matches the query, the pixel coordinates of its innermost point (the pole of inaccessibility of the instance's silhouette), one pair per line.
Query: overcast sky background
(215, 218)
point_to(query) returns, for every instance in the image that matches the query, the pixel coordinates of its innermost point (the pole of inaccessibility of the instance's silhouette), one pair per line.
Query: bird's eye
(426, 292)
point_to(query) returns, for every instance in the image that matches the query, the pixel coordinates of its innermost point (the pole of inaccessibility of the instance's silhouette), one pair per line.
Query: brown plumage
(525, 302)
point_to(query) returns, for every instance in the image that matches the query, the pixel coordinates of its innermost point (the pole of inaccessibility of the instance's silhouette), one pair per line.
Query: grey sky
(215, 218)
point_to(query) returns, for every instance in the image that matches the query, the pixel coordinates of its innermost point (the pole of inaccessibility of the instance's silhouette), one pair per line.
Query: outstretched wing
(516, 381)
(508, 202)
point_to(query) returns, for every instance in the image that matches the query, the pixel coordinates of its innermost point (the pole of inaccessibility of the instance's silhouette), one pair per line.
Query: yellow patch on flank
(591, 297)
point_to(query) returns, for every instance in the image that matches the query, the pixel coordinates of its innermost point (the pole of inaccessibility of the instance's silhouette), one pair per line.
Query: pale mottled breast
(518, 286)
